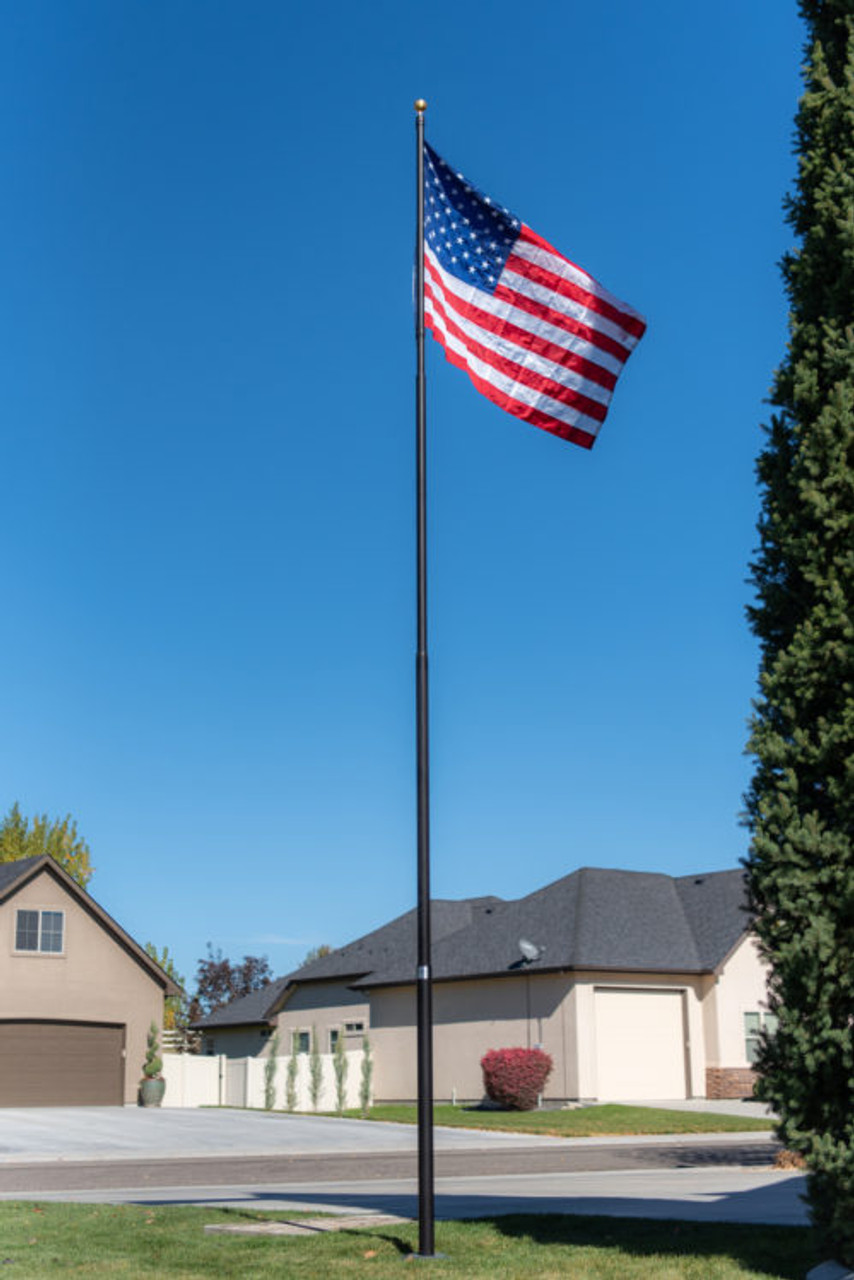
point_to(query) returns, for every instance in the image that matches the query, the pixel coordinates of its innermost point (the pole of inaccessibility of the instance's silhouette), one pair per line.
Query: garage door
(56, 1064)
(640, 1044)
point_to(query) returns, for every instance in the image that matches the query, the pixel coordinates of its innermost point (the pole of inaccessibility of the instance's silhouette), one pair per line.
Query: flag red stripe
(567, 289)
(618, 311)
(562, 356)
(536, 417)
(561, 321)
(519, 373)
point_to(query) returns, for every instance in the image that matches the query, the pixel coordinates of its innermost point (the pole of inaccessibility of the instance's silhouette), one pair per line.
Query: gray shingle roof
(248, 1010)
(594, 918)
(355, 960)
(12, 871)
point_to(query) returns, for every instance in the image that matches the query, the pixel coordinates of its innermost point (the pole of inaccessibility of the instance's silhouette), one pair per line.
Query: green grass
(586, 1122)
(45, 1240)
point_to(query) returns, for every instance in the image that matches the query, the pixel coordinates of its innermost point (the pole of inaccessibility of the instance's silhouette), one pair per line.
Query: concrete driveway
(29, 1134)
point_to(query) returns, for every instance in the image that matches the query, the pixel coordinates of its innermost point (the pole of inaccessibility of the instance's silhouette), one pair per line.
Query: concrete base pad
(307, 1226)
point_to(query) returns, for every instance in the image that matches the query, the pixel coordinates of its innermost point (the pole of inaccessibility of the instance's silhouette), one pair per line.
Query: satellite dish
(530, 950)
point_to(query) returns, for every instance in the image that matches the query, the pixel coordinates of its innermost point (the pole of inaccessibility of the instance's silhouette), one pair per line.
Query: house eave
(532, 971)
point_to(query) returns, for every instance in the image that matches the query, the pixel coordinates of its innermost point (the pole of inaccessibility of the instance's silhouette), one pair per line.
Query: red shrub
(514, 1078)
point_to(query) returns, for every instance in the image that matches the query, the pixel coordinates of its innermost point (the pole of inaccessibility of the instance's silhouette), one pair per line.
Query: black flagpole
(424, 984)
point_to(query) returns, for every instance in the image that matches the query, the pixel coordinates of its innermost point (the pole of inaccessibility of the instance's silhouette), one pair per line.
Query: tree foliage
(175, 1008)
(219, 981)
(315, 1070)
(800, 806)
(340, 1066)
(22, 837)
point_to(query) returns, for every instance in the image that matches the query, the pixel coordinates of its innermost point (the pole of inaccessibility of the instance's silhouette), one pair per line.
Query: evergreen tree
(801, 802)
(22, 838)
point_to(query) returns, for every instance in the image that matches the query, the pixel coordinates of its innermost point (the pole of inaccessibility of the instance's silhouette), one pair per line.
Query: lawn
(585, 1122)
(44, 1240)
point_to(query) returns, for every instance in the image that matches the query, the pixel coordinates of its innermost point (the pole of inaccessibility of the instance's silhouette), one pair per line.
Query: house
(639, 986)
(77, 994)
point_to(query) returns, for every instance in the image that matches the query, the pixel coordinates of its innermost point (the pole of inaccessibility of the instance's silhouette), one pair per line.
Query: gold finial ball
(420, 104)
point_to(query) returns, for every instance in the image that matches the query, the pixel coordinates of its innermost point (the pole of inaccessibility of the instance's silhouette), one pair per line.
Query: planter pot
(151, 1092)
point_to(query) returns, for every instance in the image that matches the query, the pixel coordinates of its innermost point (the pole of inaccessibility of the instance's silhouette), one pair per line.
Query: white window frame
(766, 1022)
(39, 949)
(295, 1036)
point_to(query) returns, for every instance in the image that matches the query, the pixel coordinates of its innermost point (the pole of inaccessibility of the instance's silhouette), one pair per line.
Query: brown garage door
(61, 1064)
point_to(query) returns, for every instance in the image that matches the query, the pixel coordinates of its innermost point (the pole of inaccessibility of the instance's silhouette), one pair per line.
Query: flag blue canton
(470, 234)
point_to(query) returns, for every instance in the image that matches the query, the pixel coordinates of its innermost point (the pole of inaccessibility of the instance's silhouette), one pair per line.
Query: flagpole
(426, 1210)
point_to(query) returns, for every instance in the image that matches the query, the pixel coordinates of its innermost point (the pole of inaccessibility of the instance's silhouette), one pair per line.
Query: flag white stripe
(569, 271)
(557, 302)
(540, 328)
(522, 356)
(515, 390)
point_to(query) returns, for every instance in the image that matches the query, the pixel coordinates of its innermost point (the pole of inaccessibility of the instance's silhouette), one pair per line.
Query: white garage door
(640, 1044)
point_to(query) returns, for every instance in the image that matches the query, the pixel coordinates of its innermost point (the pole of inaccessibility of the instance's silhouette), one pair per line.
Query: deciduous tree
(219, 981)
(22, 837)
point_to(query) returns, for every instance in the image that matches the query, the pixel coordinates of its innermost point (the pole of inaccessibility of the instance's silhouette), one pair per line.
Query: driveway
(31, 1134)
(34, 1134)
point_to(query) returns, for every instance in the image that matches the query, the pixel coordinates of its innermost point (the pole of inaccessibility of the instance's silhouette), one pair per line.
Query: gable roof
(594, 918)
(14, 875)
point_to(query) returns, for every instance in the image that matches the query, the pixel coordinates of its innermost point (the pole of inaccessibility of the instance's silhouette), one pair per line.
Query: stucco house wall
(94, 979)
(238, 1042)
(470, 1017)
(556, 1012)
(739, 987)
(323, 1008)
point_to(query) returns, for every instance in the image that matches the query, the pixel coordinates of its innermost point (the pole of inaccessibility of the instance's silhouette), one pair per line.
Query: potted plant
(152, 1086)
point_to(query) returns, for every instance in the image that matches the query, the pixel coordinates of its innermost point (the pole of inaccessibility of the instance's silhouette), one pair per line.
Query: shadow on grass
(778, 1252)
(756, 1228)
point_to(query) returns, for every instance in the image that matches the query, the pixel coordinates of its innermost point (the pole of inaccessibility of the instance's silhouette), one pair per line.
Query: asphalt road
(213, 1171)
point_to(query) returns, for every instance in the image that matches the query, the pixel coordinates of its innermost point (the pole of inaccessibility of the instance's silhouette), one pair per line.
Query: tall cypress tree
(801, 802)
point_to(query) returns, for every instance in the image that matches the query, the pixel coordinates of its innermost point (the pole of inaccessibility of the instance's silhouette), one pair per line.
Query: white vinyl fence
(193, 1080)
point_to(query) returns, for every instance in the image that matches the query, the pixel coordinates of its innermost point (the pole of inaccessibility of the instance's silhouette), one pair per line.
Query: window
(353, 1028)
(302, 1042)
(333, 1039)
(754, 1024)
(39, 931)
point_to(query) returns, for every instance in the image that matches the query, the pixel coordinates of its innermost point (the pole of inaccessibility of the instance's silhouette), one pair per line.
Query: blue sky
(206, 398)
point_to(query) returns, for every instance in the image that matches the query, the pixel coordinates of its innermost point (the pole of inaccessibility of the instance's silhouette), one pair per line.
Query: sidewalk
(696, 1195)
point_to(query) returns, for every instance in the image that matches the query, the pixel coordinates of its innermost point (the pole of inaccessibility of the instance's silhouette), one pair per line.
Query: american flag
(534, 332)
